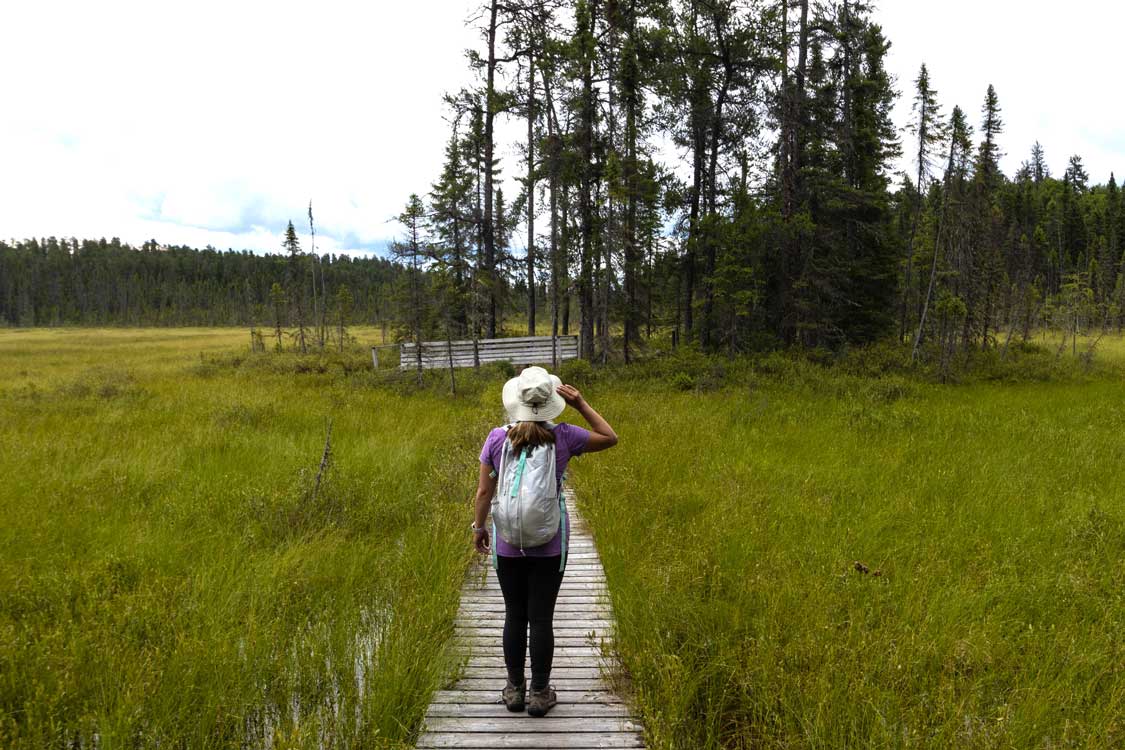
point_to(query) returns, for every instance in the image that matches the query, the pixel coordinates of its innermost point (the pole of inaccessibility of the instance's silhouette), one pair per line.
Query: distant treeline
(99, 282)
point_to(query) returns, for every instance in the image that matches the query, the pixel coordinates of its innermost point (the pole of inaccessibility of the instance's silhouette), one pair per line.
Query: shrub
(503, 368)
(576, 372)
(682, 381)
(875, 360)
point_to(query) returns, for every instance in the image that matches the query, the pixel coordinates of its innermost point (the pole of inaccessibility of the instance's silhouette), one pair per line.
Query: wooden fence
(528, 350)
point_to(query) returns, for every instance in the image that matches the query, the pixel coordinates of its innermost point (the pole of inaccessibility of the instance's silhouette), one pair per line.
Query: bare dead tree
(325, 460)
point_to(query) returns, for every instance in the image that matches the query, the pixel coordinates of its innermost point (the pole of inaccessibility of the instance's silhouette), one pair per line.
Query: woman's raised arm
(602, 435)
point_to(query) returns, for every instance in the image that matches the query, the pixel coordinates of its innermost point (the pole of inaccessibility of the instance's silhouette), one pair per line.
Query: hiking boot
(541, 701)
(514, 695)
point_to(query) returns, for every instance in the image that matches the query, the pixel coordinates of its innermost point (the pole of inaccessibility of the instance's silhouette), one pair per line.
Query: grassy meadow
(166, 576)
(811, 555)
(816, 559)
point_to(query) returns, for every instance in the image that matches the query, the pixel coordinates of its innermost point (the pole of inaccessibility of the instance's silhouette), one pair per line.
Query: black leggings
(530, 586)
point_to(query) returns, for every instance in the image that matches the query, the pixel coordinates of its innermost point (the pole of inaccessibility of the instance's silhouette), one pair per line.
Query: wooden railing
(527, 350)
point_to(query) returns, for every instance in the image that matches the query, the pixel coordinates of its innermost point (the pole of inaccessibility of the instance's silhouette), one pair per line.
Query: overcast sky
(215, 122)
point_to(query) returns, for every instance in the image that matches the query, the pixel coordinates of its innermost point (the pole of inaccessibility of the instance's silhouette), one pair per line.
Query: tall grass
(799, 555)
(166, 579)
(803, 558)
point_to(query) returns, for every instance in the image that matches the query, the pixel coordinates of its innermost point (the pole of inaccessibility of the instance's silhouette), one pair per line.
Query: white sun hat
(531, 396)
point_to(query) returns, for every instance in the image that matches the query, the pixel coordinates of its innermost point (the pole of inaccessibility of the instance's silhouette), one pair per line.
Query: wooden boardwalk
(470, 714)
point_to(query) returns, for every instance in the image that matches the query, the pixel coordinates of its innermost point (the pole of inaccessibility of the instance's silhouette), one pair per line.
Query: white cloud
(216, 122)
(1053, 65)
(215, 115)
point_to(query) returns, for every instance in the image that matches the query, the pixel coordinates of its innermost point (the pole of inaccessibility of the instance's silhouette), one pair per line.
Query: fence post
(375, 357)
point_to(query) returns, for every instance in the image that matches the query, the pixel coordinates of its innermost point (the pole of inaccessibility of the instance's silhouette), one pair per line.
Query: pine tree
(980, 271)
(412, 250)
(1109, 246)
(277, 304)
(1039, 169)
(992, 125)
(926, 127)
(1076, 174)
(949, 227)
(344, 303)
(296, 284)
(848, 282)
(451, 213)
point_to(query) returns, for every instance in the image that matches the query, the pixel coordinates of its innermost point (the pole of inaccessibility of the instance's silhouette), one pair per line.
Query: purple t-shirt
(570, 441)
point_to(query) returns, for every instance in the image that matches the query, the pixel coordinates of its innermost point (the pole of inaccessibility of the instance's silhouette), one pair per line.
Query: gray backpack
(528, 508)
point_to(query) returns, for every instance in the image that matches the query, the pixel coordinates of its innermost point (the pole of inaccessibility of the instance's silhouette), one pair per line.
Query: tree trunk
(553, 188)
(708, 326)
(531, 196)
(449, 351)
(915, 217)
(586, 207)
(609, 232)
(699, 146)
(629, 85)
(417, 305)
(312, 253)
(566, 239)
(489, 229)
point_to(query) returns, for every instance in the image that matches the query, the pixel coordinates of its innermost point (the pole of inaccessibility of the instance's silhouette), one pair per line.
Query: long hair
(529, 435)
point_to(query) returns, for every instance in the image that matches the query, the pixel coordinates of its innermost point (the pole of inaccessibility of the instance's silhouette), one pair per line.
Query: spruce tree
(451, 214)
(981, 267)
(1109, 245)
(1039, 169)
(292, 246)
(926, 128)
(344, 303)
(277, 305)
(1076, 173)
(949, 226)
(412, 250)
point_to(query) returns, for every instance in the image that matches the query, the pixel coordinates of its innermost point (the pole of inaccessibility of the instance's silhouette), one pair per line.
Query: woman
(530, 577)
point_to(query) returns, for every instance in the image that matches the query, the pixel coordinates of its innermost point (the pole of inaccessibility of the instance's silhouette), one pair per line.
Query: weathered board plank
(497, 710)
(492, 697)
(530, 741)
(471, 714)
(550, 724)
(497, 673)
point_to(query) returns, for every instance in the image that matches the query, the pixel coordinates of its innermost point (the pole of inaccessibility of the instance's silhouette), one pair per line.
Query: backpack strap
(562, 530)
(494, 566)
(494, 536)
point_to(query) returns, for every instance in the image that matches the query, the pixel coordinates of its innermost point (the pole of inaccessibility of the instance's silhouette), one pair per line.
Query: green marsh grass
(166, 580)
(165, 577)
(803, 558)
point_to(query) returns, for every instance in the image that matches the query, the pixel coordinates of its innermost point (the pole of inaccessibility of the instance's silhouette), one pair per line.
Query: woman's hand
(481, 540)
(570, 395)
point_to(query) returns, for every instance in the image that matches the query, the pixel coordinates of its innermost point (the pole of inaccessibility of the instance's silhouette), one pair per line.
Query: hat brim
(520, 412)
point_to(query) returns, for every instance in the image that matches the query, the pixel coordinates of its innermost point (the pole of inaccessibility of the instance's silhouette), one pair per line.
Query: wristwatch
(475, 528)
